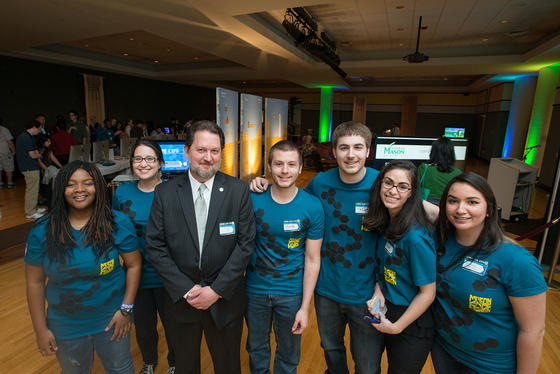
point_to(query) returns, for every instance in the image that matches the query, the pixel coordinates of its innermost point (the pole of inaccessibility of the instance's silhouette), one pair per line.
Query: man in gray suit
(199, 238)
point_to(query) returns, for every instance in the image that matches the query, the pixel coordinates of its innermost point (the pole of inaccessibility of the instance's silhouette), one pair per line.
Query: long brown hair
(491, 237)
(98, 231)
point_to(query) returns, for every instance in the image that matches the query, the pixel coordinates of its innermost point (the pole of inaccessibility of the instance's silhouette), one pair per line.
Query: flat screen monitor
(101, 151)
(417, 150)
(79, 152)
(454, 132)
(175, 161)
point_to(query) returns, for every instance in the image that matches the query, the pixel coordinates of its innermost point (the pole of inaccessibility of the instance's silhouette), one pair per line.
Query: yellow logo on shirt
(107, 267)
(293, 242)
(480, 304)
(390, 276)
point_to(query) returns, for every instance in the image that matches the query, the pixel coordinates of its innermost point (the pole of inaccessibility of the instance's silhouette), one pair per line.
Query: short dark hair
(285, 146)
(491, 236)
(377, 218)
(150, 144)
(351, 128)
(32, 123)
(40, 115)
(204, 125)
(442, 154)
(73, 112)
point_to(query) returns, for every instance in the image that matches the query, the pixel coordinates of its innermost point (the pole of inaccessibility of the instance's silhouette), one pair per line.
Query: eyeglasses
(148, 159)
(401, 187)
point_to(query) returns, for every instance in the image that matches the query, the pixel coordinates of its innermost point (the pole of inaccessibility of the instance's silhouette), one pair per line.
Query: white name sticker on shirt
(475, 266)
(291, 226)
(227, 228)
(389, 248)
(361, 208)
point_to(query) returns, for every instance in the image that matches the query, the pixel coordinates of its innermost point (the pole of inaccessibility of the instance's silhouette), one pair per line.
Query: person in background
(137, 131)
(42, 119)
(439, 170)
(27, 158)
(405, 264)
(62, 141)
(93, 127)
(128, 127)
(77, 128)
(106, 133)
(283, 271)
(49, 167)
(134, 200)
(77, 250)
(7, 153)
(491, 294)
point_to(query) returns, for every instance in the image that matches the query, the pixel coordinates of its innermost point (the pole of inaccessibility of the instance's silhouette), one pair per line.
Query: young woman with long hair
(76, 249)
(134, 200)
(491, 294)
(405, 266)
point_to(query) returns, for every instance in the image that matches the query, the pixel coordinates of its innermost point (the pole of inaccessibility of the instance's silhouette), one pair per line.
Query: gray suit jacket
(172, 245)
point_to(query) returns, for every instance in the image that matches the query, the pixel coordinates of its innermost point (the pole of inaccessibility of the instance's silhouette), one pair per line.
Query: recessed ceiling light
(400, 29)
(244, 82)
(484, 39)
(131, 38)
(400, 7)
(125, 54)
(504, 21)
(156, 61)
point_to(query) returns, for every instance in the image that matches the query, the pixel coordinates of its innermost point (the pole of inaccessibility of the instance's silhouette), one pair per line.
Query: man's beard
(204, 174)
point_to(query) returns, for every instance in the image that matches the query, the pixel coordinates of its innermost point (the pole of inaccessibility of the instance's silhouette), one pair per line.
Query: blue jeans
(75, 356)
(262, 312)
(366, 343)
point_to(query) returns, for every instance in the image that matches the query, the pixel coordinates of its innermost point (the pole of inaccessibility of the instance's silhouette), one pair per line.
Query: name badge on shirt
(389, 248)
(227, 228)
(475, 266)
(361, 208)
(292, 225)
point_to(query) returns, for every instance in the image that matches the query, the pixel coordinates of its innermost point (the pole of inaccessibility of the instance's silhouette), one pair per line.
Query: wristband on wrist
(126, 309)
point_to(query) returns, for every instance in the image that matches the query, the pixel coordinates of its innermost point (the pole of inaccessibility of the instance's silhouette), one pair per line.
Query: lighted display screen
(175, 161)
(454, 132)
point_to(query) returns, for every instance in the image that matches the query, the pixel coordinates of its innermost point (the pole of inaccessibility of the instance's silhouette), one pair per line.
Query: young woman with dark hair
(76, 247)
(491, 294)
(439, 170)
(134, 200)
(405, 266)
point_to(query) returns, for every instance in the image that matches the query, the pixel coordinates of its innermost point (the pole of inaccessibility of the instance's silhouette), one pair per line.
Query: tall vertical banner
(227, 103)
(251, 137)
(276, 123)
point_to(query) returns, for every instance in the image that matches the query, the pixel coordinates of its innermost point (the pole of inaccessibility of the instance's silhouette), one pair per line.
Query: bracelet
(126, 309)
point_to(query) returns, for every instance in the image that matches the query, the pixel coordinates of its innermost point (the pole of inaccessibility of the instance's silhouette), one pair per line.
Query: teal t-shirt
(474, 318)
(136, 204)
(277, 263)
(405, 265)
(83, 294)
(348, 251)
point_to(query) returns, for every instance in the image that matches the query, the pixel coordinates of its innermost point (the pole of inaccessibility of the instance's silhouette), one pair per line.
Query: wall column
(541, 114)
(408, 116)
(325, 114)
(519, 116)
(359, 109)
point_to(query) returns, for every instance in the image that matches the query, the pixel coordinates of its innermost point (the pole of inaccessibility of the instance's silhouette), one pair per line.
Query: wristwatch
(126, 309)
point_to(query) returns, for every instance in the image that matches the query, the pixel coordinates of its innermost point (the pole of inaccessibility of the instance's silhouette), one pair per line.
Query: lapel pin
(221, 189)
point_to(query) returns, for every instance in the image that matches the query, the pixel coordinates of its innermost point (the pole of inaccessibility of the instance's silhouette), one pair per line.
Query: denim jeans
(75, 356)
(262, 312)
(366, 343)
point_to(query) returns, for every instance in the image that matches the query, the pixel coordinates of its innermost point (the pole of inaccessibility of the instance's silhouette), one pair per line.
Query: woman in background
(491, 294)
(439, 170)
(49, 166)
(76, 247)
(134, 200)
(405, 266)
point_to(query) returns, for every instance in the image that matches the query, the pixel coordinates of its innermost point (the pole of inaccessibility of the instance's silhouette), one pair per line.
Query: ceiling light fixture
(131, 38)
(195, 58)
(504, 21)
(125, 54)
(156, 61)
(484, 39)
